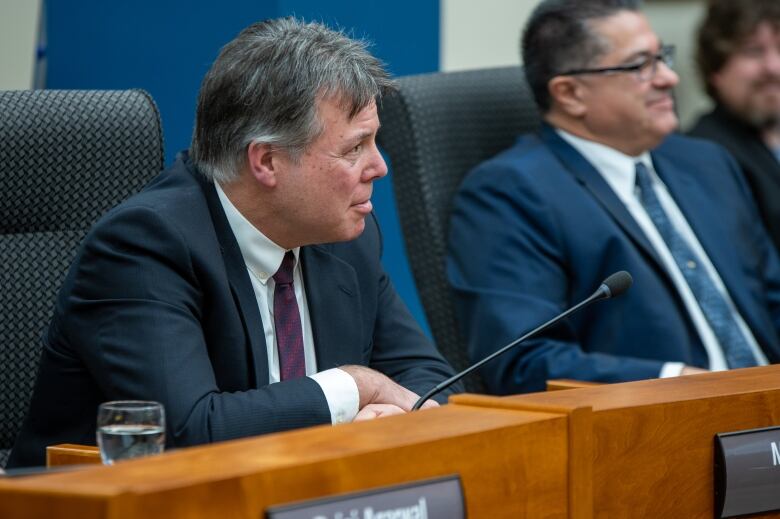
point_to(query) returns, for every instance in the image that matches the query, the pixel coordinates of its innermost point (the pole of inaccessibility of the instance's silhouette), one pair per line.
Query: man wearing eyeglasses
(739, 59)
(605, 186)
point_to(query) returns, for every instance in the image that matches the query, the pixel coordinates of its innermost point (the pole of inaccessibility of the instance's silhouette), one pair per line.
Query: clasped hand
(380, 396)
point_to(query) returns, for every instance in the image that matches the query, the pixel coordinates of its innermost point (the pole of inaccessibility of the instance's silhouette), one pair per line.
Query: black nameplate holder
(430, 499)
(747, 472)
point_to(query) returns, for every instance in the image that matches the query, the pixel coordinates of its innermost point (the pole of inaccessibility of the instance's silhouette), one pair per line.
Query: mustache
(767, 80)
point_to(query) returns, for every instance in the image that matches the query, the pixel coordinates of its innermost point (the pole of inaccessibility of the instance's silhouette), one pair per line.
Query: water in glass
(119, 442)
(130, 429)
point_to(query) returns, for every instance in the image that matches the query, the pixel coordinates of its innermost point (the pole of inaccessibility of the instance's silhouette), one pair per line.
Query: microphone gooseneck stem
(603, 292)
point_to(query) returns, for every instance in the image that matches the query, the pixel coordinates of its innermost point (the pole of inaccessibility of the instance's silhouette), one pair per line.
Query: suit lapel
(335, 308)
(592, 180)
(240, 284)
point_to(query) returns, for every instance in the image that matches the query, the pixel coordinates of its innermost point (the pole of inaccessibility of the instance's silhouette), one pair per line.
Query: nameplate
(430, 499)
(747, 472)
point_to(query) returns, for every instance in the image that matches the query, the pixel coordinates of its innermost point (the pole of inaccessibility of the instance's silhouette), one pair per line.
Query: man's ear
(263, 162)
(567, 94)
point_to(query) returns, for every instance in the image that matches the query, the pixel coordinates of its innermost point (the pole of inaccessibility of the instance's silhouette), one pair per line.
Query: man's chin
(764, 116)
(351, 232)
(666, 125)
(757, 111)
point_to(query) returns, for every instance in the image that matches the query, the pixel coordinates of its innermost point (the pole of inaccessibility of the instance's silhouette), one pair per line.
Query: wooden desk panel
(72, 454)
(512, 464)
(652, 441)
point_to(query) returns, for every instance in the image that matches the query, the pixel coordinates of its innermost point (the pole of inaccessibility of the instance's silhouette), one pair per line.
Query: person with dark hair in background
(605, 186)
(243, 287)
(739, 60)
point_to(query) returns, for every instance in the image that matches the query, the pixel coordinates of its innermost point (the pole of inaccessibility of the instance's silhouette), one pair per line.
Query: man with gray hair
(606, 186)
(243, 287)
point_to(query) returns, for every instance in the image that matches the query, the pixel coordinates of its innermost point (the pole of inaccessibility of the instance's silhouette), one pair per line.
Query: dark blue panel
(163, 47)
(405, 33)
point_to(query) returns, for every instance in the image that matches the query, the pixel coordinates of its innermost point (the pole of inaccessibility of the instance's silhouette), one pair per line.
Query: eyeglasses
(645, 70)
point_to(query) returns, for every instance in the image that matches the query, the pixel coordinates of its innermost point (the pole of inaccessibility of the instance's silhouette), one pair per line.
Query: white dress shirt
(263, 258)
(619, 171)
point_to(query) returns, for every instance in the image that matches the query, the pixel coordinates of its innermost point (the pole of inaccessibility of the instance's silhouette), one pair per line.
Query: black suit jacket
(761, 168)
(158, 305)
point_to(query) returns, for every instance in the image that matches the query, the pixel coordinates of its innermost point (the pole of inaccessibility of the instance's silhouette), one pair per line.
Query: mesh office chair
(65, 158)
(434, 130)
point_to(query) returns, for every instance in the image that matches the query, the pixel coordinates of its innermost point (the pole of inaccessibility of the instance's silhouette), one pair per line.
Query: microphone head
(618, 283)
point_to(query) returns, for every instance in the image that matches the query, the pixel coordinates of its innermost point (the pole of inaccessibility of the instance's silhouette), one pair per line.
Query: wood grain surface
(512, 464)
(653, 441)
(72, 454)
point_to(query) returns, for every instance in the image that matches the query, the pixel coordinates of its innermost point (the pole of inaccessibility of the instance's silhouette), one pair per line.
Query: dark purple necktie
(287, 322)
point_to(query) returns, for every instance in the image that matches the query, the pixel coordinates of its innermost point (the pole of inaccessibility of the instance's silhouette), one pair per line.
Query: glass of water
(130, 429)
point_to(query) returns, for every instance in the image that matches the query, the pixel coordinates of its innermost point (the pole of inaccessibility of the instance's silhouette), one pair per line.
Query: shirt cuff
(671, 369)
(341, 392)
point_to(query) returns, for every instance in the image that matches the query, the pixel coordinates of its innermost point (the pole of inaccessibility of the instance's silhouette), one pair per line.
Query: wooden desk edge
(564, 383)
(71, 454)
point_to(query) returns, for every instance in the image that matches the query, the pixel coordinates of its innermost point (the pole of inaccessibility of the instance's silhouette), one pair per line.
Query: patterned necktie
(287, 322)
(711, 301)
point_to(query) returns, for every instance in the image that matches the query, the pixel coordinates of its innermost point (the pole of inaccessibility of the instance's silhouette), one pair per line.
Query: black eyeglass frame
(666, 54)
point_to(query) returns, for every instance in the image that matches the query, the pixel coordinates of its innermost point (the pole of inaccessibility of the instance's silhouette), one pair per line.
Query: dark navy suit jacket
(536, 229)
(158, 305)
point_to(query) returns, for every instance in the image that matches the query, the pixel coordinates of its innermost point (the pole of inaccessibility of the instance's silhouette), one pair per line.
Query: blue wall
(166, 47)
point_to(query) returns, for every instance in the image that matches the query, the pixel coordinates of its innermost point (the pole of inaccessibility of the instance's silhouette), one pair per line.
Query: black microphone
(613, 286)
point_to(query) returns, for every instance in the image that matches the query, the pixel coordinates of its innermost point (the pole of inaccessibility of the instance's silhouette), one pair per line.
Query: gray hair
(265, 87)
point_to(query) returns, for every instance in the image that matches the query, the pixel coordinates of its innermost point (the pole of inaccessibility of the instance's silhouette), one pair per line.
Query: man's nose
(376, 167)
(665, 77)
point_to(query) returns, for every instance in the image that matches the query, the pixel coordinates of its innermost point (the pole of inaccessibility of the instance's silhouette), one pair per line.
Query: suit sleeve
(400, 348)
(134, 316)
(510, 272)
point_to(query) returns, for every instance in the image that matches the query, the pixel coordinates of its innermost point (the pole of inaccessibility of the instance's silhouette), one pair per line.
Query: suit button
(691, 264)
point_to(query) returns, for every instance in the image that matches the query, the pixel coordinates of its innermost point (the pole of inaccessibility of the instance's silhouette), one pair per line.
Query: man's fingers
(372, 411)
(376, 388)
(402, 397)
(430, 403)
(690, 370)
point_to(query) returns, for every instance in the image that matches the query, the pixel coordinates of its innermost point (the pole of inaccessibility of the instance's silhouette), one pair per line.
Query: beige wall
(486, 33)
(18, 38)
(676, 21)
(481, 33)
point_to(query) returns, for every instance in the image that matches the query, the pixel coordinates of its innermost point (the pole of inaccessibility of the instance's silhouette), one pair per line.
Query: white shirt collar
(262, 256)
(617, 168)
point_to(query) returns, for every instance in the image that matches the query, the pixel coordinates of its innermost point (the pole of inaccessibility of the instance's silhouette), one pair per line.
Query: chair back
(435, 129)
(65, 158)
